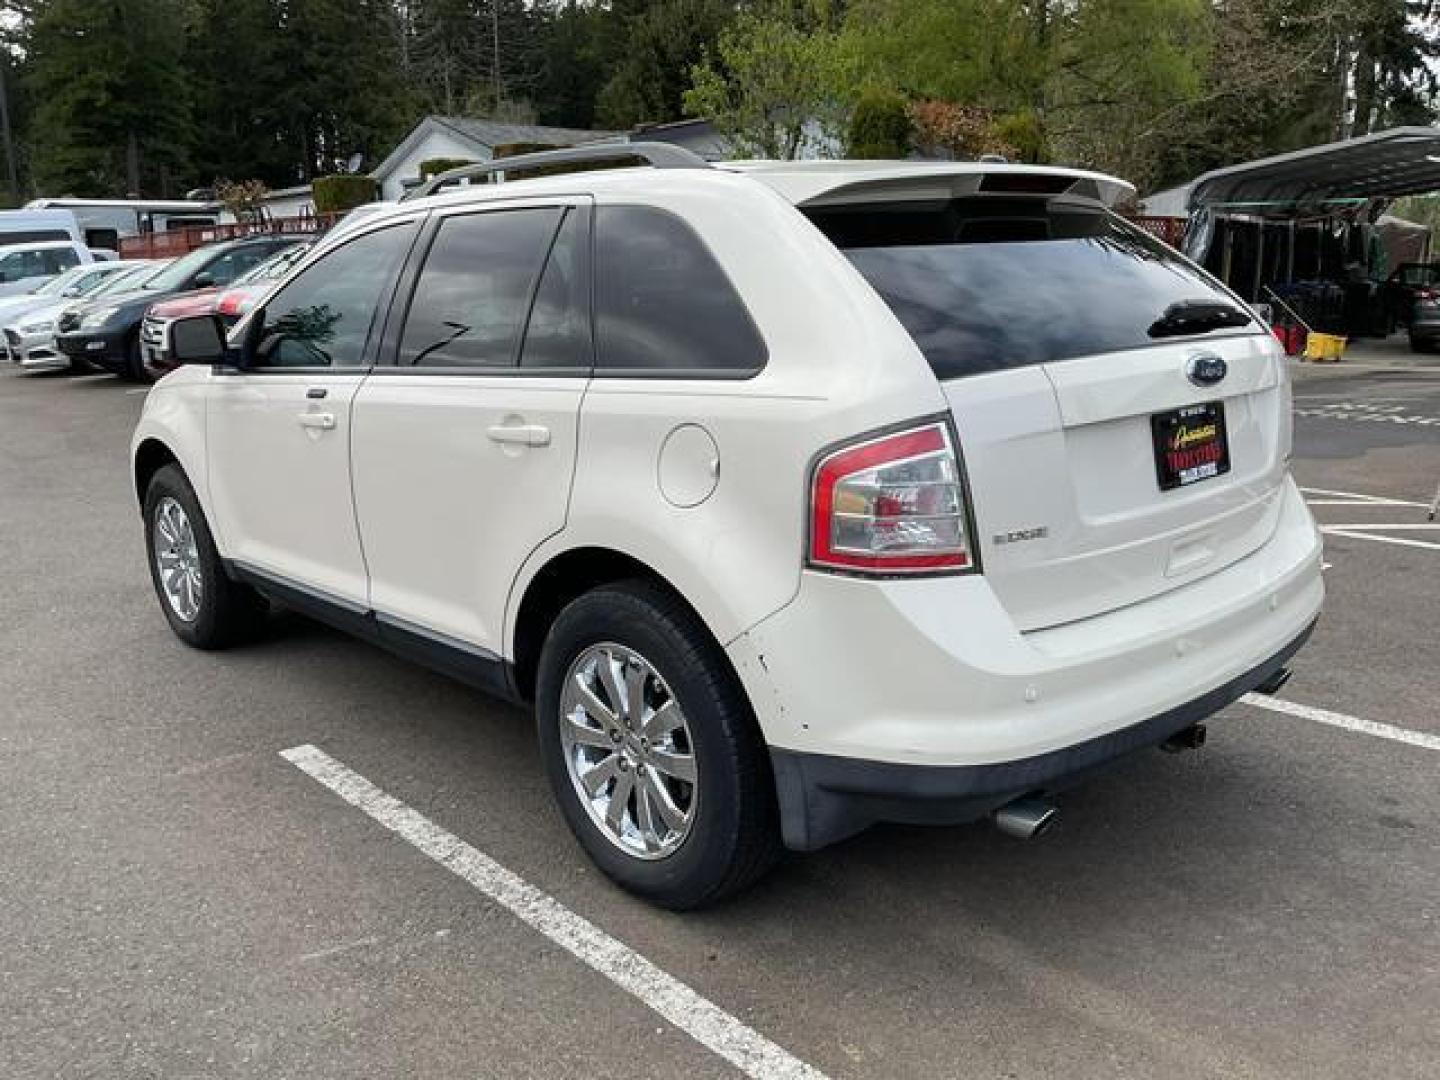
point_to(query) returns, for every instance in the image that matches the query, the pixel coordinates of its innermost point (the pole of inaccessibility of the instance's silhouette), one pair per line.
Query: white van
(30, 226)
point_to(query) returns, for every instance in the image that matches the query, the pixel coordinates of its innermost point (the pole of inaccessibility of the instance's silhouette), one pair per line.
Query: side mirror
(197, 340)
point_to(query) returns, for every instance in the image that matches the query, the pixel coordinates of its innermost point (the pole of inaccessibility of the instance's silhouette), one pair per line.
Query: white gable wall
(434, 144)
(294, 203)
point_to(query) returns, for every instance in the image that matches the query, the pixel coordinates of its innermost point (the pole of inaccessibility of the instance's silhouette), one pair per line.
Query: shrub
(514, 149)
(336, 194)
(436, 165)
(245, 199)
(880, 127)
(961, 132)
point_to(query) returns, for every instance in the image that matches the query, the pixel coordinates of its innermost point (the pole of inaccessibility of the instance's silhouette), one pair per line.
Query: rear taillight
(891, 504)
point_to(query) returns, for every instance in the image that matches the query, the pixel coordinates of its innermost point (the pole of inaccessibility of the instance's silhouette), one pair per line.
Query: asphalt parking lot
(177, 899)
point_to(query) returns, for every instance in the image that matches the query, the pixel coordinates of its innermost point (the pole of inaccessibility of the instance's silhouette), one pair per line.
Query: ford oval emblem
(1205, 369)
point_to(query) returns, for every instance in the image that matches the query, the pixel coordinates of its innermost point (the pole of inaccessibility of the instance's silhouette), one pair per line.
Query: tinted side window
(19, 265)
(558, 334)
(231, 265)
(474, 290)
(322, 318)
(662, 302)
(59, 260)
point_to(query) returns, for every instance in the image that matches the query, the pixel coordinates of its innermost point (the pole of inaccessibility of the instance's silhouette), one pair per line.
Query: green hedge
(514, 149)
(436, 165)
(336, 194)
(880, 127)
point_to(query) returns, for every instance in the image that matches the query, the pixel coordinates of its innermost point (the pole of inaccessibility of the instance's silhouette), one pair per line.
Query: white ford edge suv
(795, 496)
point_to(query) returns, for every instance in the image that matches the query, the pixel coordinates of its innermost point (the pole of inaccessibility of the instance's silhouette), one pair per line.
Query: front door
(278, 431)
(464, 442)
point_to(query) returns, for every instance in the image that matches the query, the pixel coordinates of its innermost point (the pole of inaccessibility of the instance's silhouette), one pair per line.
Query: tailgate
(1071, 517)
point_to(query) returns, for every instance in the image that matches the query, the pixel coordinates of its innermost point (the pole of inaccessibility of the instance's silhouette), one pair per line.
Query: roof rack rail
(657, 154)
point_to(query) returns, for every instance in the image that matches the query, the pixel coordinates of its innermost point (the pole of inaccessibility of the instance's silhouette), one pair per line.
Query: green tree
(1116, 67)
(777, 80)
(242, 125)
(572, 57)
(652, 48)
(112, 103)
(344, 94)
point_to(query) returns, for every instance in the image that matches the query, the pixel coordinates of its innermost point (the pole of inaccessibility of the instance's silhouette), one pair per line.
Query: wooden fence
(176, 242)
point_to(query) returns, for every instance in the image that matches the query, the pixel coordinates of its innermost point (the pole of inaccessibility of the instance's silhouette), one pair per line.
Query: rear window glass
(985, 284)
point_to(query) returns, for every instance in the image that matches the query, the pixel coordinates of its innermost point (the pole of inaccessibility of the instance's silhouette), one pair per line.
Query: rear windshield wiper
(1196, 317)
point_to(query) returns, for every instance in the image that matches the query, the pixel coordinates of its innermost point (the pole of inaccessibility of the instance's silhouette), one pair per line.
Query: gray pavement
(178, 901)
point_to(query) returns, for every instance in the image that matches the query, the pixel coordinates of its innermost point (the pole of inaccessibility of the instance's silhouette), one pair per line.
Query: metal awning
(1327, 178)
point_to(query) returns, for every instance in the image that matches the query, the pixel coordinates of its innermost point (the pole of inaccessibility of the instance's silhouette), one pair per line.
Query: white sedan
(27, 322)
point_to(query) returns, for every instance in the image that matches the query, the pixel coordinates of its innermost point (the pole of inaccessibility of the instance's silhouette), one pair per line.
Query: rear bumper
(824, 799)
(931, 678)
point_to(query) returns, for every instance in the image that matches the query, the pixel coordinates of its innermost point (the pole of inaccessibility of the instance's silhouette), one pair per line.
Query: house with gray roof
(461, 137)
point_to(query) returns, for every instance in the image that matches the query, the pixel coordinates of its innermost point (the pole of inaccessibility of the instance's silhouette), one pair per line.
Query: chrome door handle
(520, 434)
(323, 420)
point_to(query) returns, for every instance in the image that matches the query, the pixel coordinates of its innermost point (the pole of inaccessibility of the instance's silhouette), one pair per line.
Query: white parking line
(1355, 496)
(1420, 526)
(705, 1022)
(1354, 534)
(1340, 720)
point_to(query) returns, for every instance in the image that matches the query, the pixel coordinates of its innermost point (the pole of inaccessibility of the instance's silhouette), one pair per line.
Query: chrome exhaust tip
(1273, 684)
(1026, 817)
(1190, 738)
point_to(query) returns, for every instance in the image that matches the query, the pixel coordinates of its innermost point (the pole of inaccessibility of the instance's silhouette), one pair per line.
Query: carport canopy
(1326, 178)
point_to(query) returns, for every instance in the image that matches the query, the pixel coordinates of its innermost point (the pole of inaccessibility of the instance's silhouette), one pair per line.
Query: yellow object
(1324, 348)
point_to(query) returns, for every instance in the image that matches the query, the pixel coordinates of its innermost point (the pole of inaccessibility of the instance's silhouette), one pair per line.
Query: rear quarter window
(663, 305)
(990, 283)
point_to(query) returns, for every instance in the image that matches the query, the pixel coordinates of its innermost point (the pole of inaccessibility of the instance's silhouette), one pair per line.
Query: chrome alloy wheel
(177, 559)
(628, 751)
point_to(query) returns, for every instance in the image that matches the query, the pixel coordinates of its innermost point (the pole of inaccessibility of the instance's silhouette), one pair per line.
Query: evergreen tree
(240, 122)
(112, 106)
(571, 58)
(343, 93)
(654, 47)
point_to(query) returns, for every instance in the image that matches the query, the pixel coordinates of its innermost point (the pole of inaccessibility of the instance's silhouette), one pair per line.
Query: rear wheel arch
(562, 579)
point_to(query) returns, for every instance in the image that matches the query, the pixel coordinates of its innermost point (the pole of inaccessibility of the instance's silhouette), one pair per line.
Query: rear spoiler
(889, 181)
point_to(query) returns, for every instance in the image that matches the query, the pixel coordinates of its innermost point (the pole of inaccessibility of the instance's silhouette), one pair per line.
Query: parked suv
(106, 333)
(795, 497)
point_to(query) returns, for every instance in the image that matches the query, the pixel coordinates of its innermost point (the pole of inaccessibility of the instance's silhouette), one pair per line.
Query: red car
(229, 302)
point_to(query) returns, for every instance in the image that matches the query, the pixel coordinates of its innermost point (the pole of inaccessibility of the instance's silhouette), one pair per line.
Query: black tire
(80, 366)
(229, 612)
(734, 837)
(135, 369)
(1420, 345)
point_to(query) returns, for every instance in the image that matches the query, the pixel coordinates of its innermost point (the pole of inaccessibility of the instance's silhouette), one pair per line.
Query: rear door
(464, 441)
(1113, 451)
